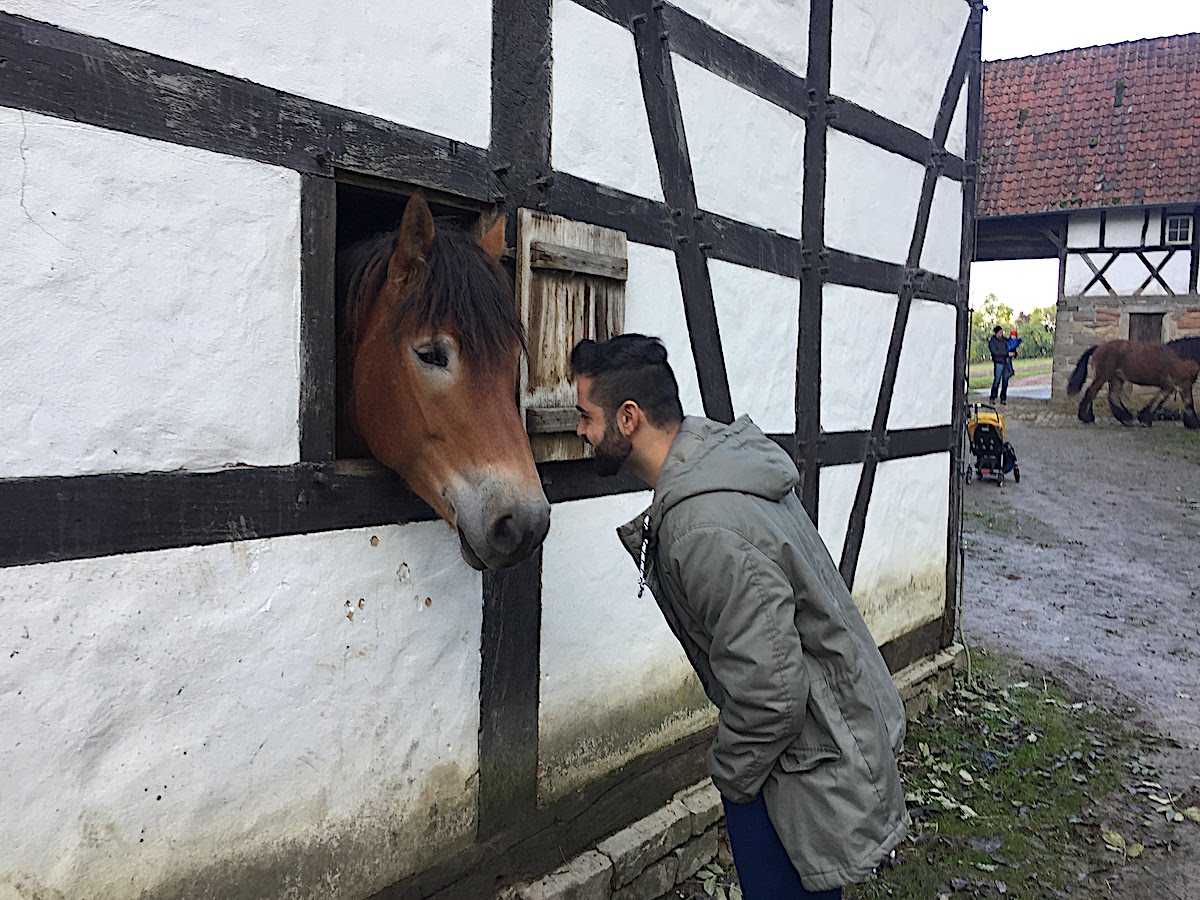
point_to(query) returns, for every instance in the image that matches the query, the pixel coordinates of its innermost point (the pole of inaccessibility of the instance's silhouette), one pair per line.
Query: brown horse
(429, 347)
(1117, 362)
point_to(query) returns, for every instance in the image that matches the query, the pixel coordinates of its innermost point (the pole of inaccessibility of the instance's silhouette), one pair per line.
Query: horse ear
(415, 238)
(493, 242)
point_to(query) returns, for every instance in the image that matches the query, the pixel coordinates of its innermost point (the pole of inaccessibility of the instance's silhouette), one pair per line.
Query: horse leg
(1190, 419)
(1120, 412)
(1146, 414)
(1086, 415)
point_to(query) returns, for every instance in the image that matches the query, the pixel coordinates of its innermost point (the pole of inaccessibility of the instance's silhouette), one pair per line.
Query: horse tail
(1079, 376)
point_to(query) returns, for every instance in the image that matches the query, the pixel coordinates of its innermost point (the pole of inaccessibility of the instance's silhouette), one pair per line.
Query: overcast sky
(1025, 27)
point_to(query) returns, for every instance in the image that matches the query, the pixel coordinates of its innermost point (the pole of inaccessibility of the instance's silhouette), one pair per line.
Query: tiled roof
(1114, 125)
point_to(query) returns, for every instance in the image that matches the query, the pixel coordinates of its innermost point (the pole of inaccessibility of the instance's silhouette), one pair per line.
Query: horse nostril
(504, 535)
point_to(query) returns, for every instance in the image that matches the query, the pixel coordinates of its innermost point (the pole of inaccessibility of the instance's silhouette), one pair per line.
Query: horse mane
(459, 285)
(1187, 347)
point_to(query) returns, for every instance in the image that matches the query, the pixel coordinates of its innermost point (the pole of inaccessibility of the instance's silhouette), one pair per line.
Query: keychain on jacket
(642, 561)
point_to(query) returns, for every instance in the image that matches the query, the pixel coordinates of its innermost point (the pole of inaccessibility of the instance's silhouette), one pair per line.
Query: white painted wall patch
(758, 314)
(747, 154)
(599, 128)
(153, 322)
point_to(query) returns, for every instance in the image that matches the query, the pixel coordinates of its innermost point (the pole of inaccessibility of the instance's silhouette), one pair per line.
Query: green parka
(809, 714)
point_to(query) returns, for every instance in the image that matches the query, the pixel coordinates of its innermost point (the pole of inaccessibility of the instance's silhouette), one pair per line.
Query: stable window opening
(367, 208)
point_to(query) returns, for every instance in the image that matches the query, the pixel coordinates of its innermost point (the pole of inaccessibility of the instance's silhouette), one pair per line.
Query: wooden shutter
(570, 286)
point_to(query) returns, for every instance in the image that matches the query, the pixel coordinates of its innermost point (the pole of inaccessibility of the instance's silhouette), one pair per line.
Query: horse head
(430, 383)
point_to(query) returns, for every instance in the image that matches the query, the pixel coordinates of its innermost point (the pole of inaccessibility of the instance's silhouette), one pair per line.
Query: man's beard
(612, 451)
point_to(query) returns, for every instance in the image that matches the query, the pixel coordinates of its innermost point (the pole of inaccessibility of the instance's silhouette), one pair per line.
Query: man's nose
(579, 429)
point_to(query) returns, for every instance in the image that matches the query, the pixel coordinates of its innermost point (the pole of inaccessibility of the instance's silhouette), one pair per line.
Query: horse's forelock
(458, 287)
(462, 288)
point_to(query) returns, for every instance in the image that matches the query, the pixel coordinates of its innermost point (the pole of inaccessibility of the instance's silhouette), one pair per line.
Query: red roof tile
(1114, 125)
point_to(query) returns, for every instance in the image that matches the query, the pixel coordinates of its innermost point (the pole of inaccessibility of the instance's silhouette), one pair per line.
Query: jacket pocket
(815, 744)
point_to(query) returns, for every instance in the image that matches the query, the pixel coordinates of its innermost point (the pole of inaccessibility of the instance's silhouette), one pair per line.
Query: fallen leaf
(1113, 840)
(1193, 813)
(1134, 851)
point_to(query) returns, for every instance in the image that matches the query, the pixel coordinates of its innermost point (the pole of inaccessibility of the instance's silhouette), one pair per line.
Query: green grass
(1002, 780)
(979, 375)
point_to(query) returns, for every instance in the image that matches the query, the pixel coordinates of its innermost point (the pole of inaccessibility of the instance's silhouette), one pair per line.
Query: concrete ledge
(633, 849)
(923, 684)
(586, 877)
(641, 862)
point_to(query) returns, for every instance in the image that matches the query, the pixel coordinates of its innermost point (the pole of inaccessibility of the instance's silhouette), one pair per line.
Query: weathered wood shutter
(570, 286)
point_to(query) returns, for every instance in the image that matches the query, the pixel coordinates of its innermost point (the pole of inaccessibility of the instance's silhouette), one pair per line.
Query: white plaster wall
(900, 583)
(1123, 228)
(599, 128)
(924, 392)
(1083, 229)
(758, 314)
(149, 314)
(837, 488)
(943, 235)
(427, 65)
(654, 306)
(1127, 273)
(747, 153)
(177, 719)
(1154, 289)
(1154, 231)
(896, 57)
(856, 327)
(608, 657)
(956, 138)
(871, 198)
(1175, 272)
(778, 29)
(1079, 273)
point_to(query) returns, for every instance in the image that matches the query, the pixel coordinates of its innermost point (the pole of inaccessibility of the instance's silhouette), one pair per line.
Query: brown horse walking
(428, 354)
(1116, 362)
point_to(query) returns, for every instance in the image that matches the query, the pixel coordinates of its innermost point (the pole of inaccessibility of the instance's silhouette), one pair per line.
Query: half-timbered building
(1093, 156)
(236, 665)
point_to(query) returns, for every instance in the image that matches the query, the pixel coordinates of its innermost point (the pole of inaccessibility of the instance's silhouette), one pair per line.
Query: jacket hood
(707, 456)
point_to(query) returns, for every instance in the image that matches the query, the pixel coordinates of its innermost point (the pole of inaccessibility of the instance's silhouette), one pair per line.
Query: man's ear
(629, 418)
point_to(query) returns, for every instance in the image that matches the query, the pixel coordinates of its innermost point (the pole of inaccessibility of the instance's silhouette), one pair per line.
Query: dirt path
(1090, 569)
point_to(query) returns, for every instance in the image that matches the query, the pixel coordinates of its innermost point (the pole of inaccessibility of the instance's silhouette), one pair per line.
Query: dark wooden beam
(814, 265)
(509, 694)
(954, 517)
(318, 239)
(908, 289)
(85, 79)
(510, 652)
(675, 171)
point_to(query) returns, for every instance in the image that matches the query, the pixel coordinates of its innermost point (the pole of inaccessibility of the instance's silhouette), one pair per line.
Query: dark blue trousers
(763, 867)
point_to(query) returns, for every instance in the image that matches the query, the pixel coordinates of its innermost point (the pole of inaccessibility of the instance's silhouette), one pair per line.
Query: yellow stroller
(994, 455)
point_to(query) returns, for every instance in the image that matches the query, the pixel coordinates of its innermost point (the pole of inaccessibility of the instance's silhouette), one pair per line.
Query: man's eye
(433, 356)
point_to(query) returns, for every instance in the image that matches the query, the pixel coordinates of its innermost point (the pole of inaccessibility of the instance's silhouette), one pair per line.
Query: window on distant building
(1179, 229)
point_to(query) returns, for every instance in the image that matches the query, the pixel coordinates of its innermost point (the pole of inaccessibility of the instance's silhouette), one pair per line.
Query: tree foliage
(1036, 329)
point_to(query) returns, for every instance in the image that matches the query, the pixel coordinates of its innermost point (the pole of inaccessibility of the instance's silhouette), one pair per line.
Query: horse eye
(433, 356)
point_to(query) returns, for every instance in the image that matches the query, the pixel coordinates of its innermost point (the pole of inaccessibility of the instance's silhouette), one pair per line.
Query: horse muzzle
(500, 524)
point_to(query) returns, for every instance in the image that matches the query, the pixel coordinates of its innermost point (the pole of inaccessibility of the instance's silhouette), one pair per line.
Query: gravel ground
(1089, 569)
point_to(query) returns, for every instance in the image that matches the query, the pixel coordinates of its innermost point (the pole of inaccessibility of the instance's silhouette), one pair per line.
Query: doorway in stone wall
(1146, 327)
